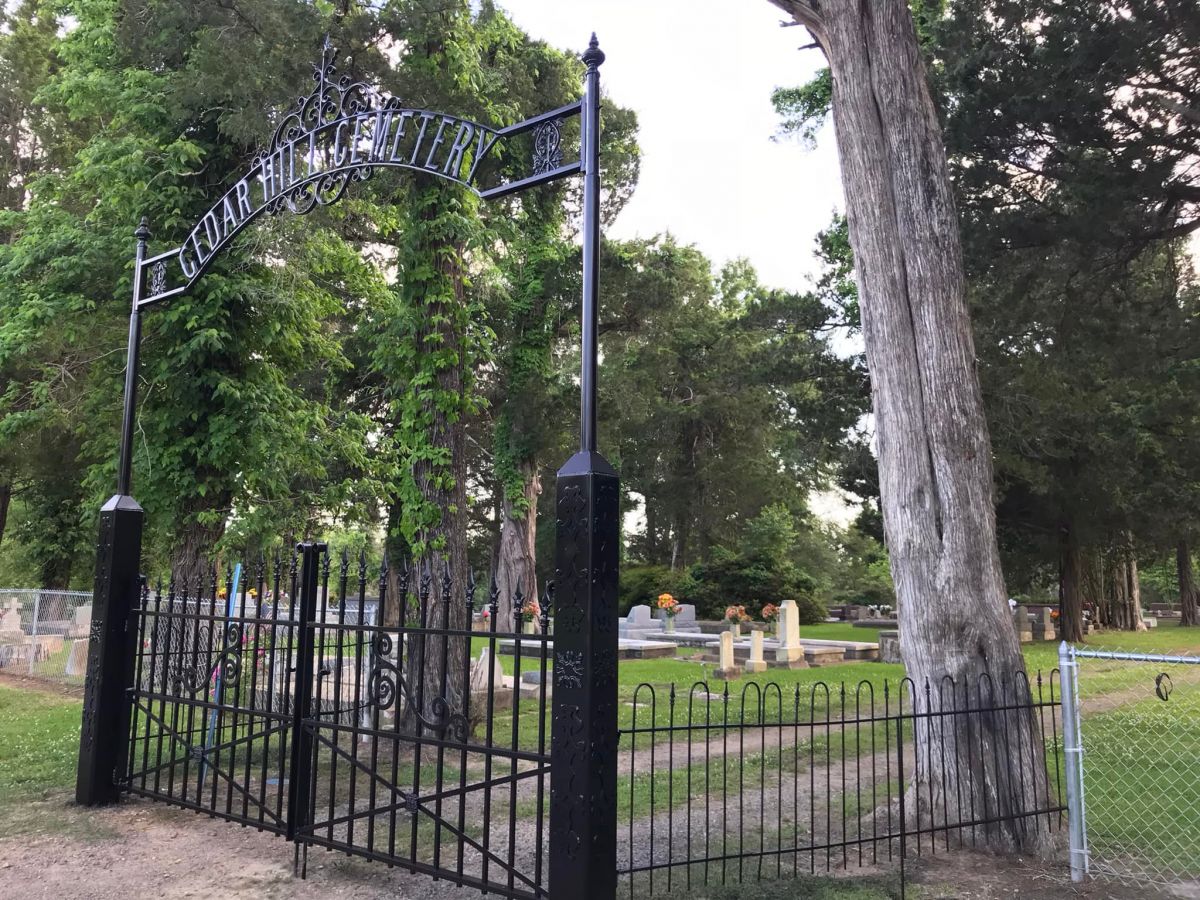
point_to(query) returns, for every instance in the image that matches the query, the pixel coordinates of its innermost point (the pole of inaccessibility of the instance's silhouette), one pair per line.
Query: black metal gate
(267, 702)
(288, 703)
(212, 706)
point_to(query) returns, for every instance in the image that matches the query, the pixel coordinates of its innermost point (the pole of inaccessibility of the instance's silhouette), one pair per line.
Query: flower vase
(669, 625)
(530, 627)
(735, 628)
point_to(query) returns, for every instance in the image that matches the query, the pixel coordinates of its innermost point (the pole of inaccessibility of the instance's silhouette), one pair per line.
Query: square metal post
(303, 743)
(583, 766)
(104, 732)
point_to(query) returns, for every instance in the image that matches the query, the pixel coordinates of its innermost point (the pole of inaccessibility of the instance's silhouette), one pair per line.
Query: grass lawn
(39, 729)
(39, 740)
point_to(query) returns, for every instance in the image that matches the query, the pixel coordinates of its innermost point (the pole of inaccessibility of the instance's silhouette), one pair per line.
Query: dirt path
(144, 849)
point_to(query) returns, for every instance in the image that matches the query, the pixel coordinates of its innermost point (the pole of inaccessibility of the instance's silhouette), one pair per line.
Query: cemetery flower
(770, 612)
(736, 614)
(668, 605)
(530, 610)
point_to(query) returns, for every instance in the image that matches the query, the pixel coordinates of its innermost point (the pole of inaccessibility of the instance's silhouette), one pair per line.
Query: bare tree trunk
(5, 501)
(1070, 586)
(1119, 606)
(935, 461)
(193, 555)
(1094, 579)
(517, 563)
(1133, 589)
(1187, 584)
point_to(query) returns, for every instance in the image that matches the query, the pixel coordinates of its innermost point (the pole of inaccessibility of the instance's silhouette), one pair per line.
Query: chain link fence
(44, 634)
(1135, 752)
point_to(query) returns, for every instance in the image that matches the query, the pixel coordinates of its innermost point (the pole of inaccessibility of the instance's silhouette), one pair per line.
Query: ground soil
(140, 848)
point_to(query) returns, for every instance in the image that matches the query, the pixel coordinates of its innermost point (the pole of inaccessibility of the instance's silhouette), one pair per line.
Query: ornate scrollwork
(568, 668)
(192, 675)
(386, 682)
(158, 278)
(331, 99)
(547, 146)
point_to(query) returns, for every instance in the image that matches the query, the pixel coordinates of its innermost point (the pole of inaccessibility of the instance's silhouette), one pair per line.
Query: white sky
(700, 73)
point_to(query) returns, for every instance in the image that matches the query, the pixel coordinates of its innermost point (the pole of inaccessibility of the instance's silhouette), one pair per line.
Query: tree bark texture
(1070, 586)
(433, 665)
(1133, 589)
(5, 501)
(933, 445)
(195, 543)
(1187, 584)
(516, 567)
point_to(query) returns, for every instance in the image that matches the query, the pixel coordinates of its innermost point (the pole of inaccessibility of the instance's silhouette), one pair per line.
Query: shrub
(642, 583)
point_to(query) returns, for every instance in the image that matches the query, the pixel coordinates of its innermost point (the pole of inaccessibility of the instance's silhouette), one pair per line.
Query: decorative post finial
(593, 56)
(143, 230)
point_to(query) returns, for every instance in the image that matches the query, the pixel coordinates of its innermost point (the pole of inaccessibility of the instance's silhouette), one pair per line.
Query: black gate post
(300, 774)
(104, 731)
(583, 766)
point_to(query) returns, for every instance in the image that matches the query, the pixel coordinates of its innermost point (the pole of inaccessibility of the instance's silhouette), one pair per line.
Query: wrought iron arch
(335, 136)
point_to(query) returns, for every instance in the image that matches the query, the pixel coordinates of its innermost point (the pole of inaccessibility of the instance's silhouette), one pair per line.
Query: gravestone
(1022, 625)
(685, 619)
(727, 669)
(10, 623)
(790, 653)
(479, 672)
(889, 647)
(756, 663)
(1047, 623)
(82, 625)
(639, 617)
(77, 659)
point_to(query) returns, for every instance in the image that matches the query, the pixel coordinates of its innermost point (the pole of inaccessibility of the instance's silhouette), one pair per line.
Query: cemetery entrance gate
(275, 695)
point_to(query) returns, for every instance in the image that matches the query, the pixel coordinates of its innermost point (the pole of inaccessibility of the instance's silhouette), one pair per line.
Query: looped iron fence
(770, 781)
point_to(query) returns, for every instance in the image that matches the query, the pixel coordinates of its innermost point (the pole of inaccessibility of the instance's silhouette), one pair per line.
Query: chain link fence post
(1073, 753)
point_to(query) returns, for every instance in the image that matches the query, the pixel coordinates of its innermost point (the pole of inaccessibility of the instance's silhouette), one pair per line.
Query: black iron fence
(282, 701)
(766, 781)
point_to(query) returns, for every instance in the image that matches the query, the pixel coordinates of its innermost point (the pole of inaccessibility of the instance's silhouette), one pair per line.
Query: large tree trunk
(1070, 604)
(5, 501)
(1093, 575)
(934, 450)
(516, 566)
(1187, 584)
(192, 556)
(1133, 589)
(435, 664)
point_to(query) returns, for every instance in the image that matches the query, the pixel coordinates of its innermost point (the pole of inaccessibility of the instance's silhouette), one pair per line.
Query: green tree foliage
(1073, 130)
(765, 569)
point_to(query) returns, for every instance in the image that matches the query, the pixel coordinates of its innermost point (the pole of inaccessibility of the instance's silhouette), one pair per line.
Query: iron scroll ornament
(386, 681)
(337, 136)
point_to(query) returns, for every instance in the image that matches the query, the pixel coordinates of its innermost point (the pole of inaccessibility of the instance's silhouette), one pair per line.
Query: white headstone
(77, 659)
(639, 617)
(10, 620)
(727, 668)
(479, 672)
(790, 653)
(1022, 624)
(756, 662)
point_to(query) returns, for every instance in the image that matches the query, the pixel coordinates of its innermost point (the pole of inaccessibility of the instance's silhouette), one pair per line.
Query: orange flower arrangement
(770, 612)
(530, 611)
(736, 614)
(668, 605)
